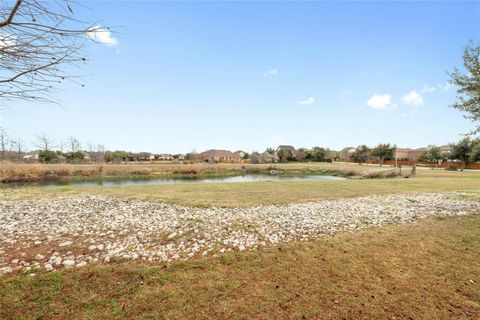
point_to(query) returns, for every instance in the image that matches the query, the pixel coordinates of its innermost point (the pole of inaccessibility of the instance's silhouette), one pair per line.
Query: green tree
(47, 156)
(475, 157)
(468, 85)
(270, 150)
(285, 155)
(319, 154)
(432, 154)
(361, 153)
(75, 156)
(462, 150)
(301, 154)
(254, 157)
(384, 151)
(191, 156)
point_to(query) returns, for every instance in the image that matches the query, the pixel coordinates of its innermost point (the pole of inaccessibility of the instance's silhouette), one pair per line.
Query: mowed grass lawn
(426, 270)
(262, 193)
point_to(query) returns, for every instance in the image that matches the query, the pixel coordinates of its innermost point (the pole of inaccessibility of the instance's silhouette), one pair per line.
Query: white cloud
(413, 98)
(439, 87)
(102, 35)
(445, 87)
(271, 73)
(310, 100)
(428, 89)
(379, 102)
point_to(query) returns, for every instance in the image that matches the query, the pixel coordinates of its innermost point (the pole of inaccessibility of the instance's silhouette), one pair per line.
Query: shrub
(47, 156)
(452, 168)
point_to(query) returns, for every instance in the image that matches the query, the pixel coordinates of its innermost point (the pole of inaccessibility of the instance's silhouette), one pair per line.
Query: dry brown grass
(15, 172)
(428, 270)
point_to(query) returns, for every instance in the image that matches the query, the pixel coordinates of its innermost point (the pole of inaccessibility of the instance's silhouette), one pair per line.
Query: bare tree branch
(38, 40)
(44, 143)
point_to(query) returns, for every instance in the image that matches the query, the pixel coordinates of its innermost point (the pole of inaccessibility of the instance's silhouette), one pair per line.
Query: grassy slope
(257, 193)
(428, 270)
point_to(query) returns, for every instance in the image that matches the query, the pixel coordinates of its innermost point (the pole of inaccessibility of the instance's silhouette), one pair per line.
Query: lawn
(426, 270)
(262, 193)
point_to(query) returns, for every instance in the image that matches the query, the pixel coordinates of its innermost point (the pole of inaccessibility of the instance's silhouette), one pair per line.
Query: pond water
(235, 179)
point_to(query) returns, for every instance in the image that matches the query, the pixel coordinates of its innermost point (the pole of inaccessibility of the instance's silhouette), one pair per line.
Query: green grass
(263, 193)
(426, 270)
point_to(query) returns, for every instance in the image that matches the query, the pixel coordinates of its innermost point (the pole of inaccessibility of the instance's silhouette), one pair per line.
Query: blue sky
(250, 75)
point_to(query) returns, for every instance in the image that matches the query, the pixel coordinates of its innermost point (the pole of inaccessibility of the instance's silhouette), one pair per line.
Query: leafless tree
(74, 144)
(61, 146)
(90, 146)
(100, 153)
(44, 142)
(38, 39)
(3, 143)
(18, 145)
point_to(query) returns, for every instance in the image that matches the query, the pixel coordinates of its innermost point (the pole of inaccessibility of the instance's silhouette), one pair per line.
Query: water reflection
(235, 179)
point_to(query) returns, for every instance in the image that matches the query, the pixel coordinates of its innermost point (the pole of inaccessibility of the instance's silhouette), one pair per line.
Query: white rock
(57, 261)
(5, 270)
(48, 267)
(65, 243)
(68, 263)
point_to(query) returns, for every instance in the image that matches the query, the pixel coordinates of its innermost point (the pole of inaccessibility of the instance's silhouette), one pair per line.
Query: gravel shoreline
(73, 232)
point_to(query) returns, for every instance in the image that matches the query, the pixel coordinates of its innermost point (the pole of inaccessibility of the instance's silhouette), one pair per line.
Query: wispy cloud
(439, 87)
(310, 100)
(271, 73)
(380, 102)
(428, 89)
(413, 98)
(102, 35)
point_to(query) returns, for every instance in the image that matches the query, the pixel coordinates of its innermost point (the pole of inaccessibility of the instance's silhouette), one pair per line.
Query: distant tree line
(381, 152)
(466, 150)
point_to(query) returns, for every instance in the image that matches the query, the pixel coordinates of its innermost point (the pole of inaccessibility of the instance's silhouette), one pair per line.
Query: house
(347, 153)
(446, 150)
(96, 156)
(164, 157)
(214, 156)
(31, 156)
(241, 153)
(409, 154)
(265, 158)
(86, 155)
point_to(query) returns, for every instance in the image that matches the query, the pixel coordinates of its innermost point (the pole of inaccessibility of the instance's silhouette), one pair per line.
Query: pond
(234, 179)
